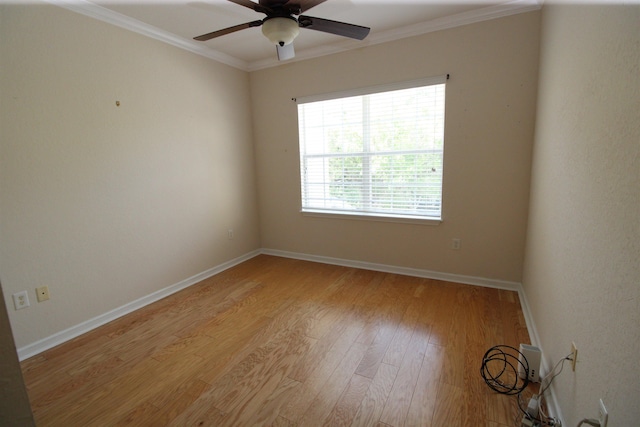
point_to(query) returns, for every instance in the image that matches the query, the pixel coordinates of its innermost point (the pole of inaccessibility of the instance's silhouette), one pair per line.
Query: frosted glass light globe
(280, 31)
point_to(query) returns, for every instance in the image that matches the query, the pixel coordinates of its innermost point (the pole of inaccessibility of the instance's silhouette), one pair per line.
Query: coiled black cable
(500, 366)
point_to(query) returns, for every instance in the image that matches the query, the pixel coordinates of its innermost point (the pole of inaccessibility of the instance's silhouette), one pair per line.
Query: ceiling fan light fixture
(280, 30)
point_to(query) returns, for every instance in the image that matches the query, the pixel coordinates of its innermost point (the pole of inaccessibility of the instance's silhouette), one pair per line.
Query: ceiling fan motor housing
(280, 30)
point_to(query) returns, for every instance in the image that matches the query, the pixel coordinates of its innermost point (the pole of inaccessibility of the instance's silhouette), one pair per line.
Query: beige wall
(107, 204)
(490, 116)
(582, 275)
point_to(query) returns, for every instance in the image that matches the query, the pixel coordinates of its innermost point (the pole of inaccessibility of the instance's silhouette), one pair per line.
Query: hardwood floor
(284, 342)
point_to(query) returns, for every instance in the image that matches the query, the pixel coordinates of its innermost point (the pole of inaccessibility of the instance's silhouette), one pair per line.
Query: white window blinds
(374, 151)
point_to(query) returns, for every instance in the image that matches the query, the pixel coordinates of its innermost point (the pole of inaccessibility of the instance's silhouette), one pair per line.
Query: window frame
(367, 215)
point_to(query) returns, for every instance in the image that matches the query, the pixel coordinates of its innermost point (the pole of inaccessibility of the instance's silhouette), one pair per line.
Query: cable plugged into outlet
(603, 415)
(574, 356)
(532, 408)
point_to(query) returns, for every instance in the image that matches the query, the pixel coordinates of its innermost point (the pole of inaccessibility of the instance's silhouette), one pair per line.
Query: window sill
(371, 217)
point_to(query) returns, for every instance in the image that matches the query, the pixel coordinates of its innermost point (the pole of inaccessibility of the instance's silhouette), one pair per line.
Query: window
(375, 151)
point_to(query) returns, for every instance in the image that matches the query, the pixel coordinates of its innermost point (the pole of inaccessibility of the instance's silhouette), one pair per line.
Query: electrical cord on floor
(503, 375)
(499, 369)
(545, 383)
(541, 418)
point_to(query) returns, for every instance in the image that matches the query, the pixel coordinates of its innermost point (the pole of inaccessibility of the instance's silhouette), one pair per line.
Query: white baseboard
(415, 272)
(58, 338)
(552, 401)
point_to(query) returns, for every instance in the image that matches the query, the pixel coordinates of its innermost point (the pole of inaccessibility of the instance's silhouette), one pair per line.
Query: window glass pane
(379, 153)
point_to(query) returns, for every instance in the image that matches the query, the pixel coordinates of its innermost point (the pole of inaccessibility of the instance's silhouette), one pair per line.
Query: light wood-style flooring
(282, 342)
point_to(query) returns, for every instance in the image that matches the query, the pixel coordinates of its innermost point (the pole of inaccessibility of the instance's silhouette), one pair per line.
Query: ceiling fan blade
(300, 6)
(334, 27)
(252, 5)
(285, 52)
(229, 30)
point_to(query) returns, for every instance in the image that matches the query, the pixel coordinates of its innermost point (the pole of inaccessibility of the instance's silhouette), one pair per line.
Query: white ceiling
(178, 21)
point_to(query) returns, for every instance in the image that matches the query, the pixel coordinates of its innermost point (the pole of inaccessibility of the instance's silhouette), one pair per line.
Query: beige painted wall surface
(490, 116)
(107, 204)
(582, 269)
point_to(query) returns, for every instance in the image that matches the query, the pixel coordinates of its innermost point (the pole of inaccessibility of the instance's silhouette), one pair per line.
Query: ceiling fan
(281, 26)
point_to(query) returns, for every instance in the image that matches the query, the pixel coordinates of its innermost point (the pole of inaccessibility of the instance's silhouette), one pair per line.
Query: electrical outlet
(230, 233)
(42, 293)
(455, 244)
(603, 415)
(21, 300)
(574, 356)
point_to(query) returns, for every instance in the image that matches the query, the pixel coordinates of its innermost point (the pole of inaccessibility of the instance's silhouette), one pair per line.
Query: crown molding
(459, 19)
(447, 22)
(92, 10)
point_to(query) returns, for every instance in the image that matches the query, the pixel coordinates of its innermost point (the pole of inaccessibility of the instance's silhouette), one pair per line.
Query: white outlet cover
(21, 300)
(603, 415)
(456, 243)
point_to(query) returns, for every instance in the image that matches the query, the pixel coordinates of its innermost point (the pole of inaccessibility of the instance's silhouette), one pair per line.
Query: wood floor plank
(325, 356)
(423, 401)
(328, 395)
(400, 342)
(502, 408)
(339, 360)
(275, 364)
(221, 354)
(180, 399)
(229, 355)
(121, 395)
(269, 412)
(373, 403)
(282, 422)
(244, 404)
(339, 339)
(475, 393)
(261, 357)
(397, 405)
(439, 311)
(74, 385)
(476, 328)
(284, 342)
(139, 415)
(378, 348)
(349, 401)
(448, 406)
(456, 344)
(198, 313)
(52, 365)
(492, 318)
